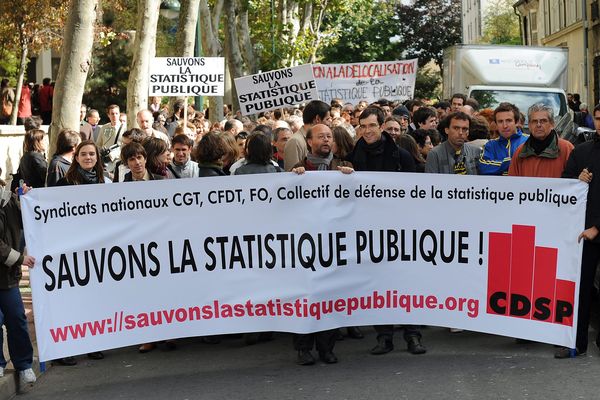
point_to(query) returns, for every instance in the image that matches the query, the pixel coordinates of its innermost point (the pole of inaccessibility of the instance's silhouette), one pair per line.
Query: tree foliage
(501, 25)
(380, 31)
(29, 26)
(428, 27)
(362, 33)
(427, 84)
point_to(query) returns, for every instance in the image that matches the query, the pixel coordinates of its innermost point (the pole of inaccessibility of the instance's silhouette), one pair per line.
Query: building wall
(560, 23)
(473, 14)
(575, 69)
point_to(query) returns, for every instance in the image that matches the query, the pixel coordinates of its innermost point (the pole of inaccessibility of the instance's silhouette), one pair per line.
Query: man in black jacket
(584, 163)
(377, 151)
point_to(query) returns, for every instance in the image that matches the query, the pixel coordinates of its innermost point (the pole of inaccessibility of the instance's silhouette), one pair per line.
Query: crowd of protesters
(451, 137)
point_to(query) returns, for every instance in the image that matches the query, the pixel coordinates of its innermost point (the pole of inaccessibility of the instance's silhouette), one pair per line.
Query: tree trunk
(293, 29)
(316, 29)
(244, 38)
(74, 65)
(19, 88)
(233, 53)
(212, 47)
(186, 34)
(144, 51)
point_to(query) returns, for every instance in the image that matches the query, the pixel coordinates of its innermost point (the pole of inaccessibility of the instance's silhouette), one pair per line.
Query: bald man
(145, 120)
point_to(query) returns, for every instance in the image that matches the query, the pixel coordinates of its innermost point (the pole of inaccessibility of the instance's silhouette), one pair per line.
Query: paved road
(467, 365)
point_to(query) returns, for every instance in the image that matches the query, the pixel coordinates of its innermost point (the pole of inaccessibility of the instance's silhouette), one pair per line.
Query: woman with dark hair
(342, 143)
(409, 144)
(33, 166)
(86, 167)
(232, 152)
(209, 154)
(259, 152)
(158, 157)
(66, 142)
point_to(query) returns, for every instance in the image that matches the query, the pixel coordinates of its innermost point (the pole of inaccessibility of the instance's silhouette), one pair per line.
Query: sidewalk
(8, 384)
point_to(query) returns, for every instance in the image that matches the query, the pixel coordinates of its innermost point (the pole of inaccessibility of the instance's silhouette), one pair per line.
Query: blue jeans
(12, 316)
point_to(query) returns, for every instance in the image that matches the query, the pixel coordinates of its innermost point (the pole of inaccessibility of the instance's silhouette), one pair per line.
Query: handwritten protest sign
(392, 80)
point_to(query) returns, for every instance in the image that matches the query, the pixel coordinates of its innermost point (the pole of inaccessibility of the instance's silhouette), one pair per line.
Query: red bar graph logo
(522, 279)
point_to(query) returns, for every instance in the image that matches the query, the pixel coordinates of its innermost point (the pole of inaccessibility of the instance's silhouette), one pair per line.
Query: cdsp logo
(522, 279)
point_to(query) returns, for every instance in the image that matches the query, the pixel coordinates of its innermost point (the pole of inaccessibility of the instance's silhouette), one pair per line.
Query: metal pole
(273, 26)
(198, 100)
(585, 50)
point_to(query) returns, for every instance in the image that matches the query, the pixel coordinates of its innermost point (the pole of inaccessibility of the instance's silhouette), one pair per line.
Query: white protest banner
(187, 76)
(371, 81)
(121, 264)
(276, 89)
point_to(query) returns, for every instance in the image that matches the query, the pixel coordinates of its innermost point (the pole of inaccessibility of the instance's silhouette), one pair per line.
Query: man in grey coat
(454, 156)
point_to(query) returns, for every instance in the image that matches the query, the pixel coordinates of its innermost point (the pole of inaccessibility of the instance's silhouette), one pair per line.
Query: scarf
(373, 149)
(161, 170)
(320, 163)
(539, 146)
(87, 176)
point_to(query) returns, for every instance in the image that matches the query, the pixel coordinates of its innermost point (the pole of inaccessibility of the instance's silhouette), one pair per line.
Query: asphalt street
(465, 365)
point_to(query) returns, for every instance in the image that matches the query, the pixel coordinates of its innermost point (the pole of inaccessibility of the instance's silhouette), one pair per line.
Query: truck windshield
(523, 100)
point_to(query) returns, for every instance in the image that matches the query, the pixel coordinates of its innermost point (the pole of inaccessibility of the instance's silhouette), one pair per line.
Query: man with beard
(315, 112)
(320, 158)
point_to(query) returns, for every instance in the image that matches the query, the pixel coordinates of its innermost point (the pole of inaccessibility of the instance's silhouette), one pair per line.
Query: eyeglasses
(542, 121)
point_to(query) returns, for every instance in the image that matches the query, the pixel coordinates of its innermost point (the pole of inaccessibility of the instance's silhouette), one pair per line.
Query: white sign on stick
(187, 76)
(271, 90)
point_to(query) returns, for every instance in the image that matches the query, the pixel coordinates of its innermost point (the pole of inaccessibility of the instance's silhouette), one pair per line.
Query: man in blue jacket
(496, 155)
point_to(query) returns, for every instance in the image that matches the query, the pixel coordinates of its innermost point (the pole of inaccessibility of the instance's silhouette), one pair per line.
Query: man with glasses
(296, 149)
(497, 153)
(377, 151)
(544, 154)
(455, 155)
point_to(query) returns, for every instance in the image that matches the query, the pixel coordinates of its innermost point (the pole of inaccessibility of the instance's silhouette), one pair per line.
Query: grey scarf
(320, 163)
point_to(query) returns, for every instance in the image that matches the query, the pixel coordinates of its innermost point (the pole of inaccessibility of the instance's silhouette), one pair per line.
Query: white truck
(521, 75)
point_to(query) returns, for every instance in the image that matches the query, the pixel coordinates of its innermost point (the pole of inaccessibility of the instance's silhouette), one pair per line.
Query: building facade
(473, 17)
(574, 24)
